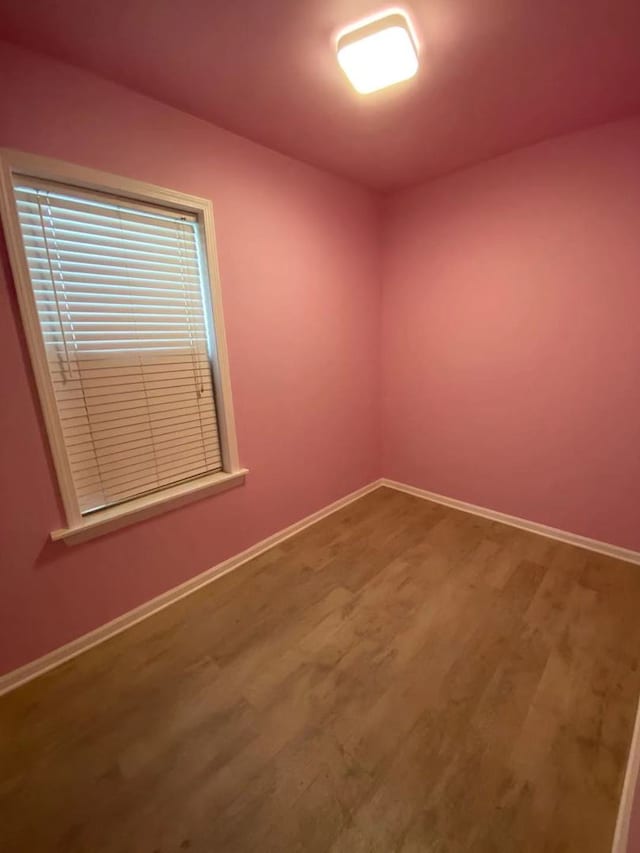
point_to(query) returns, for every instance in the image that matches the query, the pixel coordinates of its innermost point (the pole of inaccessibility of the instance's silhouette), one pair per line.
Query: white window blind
(122, 300)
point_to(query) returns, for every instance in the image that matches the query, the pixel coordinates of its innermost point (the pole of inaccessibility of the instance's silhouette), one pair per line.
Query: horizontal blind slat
(74, 206)
(144, 451)
(120, 398)
(174, 256)
(87, 310)
(102, 374)
(103, 245)
(102, 414)
(95, 292)
(86, 235)
(116, 441)
(146, 483)
(78, 273)
(136, 420)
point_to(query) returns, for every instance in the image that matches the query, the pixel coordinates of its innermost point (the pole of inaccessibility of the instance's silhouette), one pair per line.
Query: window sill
(106, 520)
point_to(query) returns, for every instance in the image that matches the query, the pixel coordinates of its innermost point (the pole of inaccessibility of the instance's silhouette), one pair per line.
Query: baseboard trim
(621, 836)
(513, 521)
(33, 669)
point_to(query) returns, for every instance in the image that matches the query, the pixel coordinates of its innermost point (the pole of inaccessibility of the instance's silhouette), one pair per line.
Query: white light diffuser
(378, 54)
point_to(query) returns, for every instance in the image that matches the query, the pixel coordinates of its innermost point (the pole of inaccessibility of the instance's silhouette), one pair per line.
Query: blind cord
(65, 367)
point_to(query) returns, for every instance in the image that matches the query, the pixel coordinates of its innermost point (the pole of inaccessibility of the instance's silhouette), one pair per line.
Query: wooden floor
(400, 677)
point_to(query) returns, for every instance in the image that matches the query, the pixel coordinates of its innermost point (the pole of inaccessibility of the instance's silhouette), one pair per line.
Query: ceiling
(494, 75)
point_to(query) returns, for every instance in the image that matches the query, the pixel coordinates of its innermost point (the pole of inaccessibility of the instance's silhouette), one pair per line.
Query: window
(125, 334)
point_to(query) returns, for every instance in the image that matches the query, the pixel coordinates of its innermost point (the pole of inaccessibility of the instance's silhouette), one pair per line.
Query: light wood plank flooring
(399, 677)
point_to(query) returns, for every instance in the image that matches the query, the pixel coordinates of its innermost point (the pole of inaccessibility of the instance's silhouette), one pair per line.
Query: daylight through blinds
(123, 308)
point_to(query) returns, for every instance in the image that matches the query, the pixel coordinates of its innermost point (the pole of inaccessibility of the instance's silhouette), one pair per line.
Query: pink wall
(300, 277)
(511, 352)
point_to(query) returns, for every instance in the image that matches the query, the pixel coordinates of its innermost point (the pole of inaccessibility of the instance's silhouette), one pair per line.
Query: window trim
(82, 527)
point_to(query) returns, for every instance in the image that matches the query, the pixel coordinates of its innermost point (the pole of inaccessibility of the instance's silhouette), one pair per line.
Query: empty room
(320, 426)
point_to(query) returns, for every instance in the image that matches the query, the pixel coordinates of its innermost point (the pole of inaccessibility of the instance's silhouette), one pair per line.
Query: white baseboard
(513, 521)
(621, 837)
(31, 670)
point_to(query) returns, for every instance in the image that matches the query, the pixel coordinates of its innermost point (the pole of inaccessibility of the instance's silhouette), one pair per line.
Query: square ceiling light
(378, 53)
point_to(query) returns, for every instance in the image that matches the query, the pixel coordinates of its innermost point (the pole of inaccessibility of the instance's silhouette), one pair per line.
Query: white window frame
(79, 528)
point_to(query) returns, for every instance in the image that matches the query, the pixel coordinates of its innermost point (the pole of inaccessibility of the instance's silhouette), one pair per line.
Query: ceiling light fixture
(378, 52)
